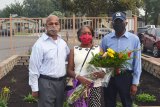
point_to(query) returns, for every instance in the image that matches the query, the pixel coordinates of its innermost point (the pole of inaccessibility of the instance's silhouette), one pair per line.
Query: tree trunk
(156, 20)
(146, 17)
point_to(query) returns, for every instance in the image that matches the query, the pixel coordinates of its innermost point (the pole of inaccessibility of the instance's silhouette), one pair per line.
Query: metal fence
(17, 35)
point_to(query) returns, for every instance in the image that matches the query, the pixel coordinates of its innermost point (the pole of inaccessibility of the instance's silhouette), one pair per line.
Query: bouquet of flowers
(114, 62)
(112, 59)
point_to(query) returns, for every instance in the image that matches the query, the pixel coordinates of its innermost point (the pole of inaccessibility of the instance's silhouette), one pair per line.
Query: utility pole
(11, 39)
(11, 36)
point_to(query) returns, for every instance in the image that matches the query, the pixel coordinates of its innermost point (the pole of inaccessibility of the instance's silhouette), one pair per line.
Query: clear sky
(3, 3)
(142, 12)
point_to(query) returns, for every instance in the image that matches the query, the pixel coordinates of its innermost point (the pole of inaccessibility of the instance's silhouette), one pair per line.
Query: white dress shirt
(48, 58)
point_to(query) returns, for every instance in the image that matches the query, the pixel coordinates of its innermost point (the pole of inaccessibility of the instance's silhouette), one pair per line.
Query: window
(153, 32)
(158, 32)
(149, 31)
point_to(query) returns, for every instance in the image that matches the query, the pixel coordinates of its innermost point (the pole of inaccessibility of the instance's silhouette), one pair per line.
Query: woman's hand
(100, 74)
(84, 81)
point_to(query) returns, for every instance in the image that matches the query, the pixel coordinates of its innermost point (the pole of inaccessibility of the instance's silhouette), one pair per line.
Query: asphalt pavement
(20, 45)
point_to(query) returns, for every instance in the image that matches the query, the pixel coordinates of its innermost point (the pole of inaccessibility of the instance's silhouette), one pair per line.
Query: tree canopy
(38, 8)
(16, 8)
(98, 7)
(152, 12)
(92, 8)
(32, 8)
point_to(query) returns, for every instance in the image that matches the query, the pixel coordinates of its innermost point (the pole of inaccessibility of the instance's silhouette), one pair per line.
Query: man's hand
(35, 94)
(133, 89)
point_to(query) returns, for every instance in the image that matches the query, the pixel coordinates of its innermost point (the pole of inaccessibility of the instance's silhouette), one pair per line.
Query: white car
(150, 26)
(100, 32)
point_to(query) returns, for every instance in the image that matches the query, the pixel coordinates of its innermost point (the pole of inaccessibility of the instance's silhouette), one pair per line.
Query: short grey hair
(50, 16)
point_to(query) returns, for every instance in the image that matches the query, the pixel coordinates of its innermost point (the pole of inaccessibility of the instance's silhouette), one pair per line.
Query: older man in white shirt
(47, 66)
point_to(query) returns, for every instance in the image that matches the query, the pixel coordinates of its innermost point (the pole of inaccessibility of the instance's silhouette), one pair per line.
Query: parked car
(100, 32)
(5, 32)
(151, 41)
(150, 26)
(140, 32)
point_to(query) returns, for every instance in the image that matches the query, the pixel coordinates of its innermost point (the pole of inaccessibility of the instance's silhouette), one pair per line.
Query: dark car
(5, 32)
(151, 41)
(140, 32)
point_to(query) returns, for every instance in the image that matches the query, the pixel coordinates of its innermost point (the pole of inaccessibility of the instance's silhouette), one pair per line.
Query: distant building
(19, 24)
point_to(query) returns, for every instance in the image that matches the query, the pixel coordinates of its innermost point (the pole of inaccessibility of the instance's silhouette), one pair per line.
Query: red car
(151, 41)
(140, 32)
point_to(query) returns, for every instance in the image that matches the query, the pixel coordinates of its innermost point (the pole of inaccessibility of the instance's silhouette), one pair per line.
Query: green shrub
(119, 104)
(4, 96)
(30, 99)
(13, 80)
(145, 97)
(3, 104)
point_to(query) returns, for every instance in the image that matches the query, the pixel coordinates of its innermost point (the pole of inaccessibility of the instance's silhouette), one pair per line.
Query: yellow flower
(109, 50)
(6, 90)
(110, 54)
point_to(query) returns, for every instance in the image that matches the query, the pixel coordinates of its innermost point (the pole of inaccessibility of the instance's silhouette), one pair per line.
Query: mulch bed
(20, 88)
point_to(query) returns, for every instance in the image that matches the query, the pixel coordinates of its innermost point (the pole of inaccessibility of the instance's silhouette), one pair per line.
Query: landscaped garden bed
(17, 81)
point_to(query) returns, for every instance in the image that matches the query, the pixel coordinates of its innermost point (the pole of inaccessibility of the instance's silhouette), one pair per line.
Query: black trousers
(118, 85)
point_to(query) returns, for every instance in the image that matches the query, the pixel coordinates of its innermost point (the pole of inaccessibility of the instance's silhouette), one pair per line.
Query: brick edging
(148, 106)
(151, 66)
(8, 64)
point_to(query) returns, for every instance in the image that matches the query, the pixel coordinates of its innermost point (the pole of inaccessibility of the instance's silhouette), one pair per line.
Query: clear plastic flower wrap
(76, 94)
(92, 69)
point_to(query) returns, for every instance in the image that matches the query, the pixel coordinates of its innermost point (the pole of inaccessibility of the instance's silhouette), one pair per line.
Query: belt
(51, 78)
